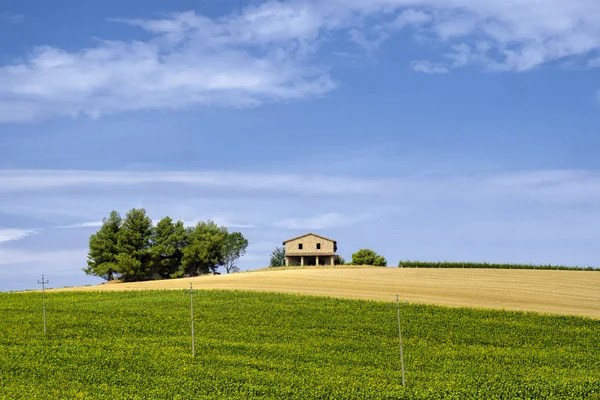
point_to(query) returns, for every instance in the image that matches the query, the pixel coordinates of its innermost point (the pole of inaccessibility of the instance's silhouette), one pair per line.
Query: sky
(430, 130)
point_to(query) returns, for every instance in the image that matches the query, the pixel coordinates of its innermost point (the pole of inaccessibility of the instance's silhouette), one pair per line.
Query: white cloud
(191, 61)
(428, 67)
(323, 221)
(267, 52)
(10, 18)
(7, 235)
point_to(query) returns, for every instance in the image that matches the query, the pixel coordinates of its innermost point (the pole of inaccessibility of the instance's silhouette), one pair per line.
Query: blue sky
(424, 129)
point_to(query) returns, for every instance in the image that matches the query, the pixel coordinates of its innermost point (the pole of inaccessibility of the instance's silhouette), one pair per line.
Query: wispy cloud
(410, 17)
(7, 235)
(232, 224)
(92, 224)
(366, 43)
(543, 185)
(269, 53)
(10, 18)
(23, 180)
(515, 216)
(594, 63)
(547, 186)
(323, 221)
(11, 256)
(428, 67)
(219, 221)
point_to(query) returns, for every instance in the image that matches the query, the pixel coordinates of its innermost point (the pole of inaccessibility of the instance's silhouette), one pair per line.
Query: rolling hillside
(557, 292)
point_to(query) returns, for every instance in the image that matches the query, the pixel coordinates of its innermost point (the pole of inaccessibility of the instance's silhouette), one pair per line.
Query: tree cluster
(132, 249)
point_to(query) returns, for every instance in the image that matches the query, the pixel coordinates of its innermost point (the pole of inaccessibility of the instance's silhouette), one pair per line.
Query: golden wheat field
(556, 292)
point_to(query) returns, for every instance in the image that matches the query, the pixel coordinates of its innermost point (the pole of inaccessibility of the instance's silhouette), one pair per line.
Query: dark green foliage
(102, 255)
(204, 251)
(234, 247)
(133, 250)
(339, 260)
(168, 241)
(448, 264)
(277, 257)
(368, 257)
(136, 345)
(133, 246)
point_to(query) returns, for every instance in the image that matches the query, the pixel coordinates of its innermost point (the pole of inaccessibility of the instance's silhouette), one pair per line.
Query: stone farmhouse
(310, 249)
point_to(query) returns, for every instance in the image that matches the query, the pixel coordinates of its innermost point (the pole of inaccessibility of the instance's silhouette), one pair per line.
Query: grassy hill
(558, 292)
(136, 345)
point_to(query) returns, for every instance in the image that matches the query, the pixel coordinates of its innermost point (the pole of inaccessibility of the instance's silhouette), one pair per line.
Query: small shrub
(368, 257)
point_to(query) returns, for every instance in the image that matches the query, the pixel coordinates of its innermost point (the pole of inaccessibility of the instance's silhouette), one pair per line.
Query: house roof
(309, 234)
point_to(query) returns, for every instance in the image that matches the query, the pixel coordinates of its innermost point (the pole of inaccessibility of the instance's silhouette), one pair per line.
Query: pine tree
(103, 248)
(204, 250)
(168, 241)
(133, 246)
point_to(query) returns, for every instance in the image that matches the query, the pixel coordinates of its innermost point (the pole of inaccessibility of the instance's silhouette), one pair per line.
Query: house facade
(310, 249)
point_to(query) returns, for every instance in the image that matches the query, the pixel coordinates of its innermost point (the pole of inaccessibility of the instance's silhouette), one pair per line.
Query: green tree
(234, 247)
(168, 242)
(278, 257)
(339, 260)
(204, 250)
(368, 257)
(103, 248)
(133, 245)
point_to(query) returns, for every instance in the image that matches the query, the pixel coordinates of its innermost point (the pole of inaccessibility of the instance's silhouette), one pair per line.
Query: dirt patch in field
(556, 292)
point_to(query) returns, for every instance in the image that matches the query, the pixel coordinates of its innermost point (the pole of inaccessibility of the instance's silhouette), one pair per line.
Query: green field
(249, 345)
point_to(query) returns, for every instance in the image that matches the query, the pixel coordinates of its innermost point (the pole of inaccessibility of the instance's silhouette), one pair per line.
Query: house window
(299, 246)
(318, 246)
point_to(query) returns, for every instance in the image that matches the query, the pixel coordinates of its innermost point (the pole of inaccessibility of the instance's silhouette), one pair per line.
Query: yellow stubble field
(556, 292)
